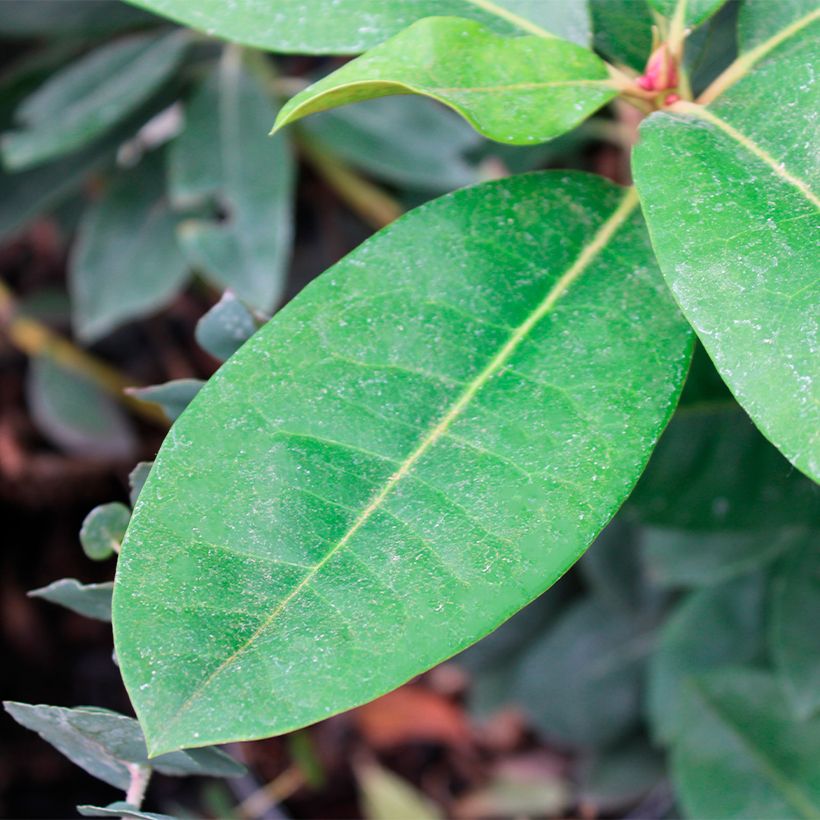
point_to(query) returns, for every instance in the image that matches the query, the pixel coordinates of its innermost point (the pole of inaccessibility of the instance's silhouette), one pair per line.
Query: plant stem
(279, 789)
(35, 339)
(140, 777)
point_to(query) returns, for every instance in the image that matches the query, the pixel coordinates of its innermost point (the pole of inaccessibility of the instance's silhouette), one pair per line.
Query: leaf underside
(408, 453)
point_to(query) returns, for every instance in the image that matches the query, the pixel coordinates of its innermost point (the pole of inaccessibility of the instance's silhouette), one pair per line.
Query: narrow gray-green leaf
(520, 90)
(75, 413)
(743, 754)
(173, 397)
(406, 454)
(793, 633)
(104, 743)
(121, 809)
(351, 26)
(713, 627)
(91, 600)
(736, 243)
(90, 96)
(136, 480)
(126, 261)
(103, 530)
(224, 155)
(408, 141)
(225, 327)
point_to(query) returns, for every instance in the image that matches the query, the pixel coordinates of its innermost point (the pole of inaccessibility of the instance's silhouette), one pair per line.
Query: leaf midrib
(601, 238)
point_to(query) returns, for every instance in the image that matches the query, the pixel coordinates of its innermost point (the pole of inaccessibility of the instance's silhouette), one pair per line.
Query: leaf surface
(736, 242)
(410, 451)
(121, 809)
(691, 12)
(520, 90)
(742, 753)
(103, 530)
(351, 26)
(225, 327)
(90, 96)
(173, 397)
(91, 600)
(224, 156)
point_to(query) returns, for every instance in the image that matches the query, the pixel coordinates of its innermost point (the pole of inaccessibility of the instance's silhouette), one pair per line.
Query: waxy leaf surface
(411, 450)
(351, 26)
(519, 90)
(730, 197)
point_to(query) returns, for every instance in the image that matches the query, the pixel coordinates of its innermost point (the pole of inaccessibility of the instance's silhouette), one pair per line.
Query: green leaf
(351, 26)
(712, 470)
(736, 242)
(681, 558)
(126, 262)
(758, 21)
(121, 809)
(224, 155)
(793, 636)
(103, 530)
(75, 413)
(713, 627)
(91, 600)
(104, 743)
(68, 18)
(136, 480)
(385, 796)
(623, 31)
(742, 754)
(406, 454)
(520, 90)
(173, 397)
(580, 683)
(692, 12)
(93, 94)
(407, 141)
(225, 327)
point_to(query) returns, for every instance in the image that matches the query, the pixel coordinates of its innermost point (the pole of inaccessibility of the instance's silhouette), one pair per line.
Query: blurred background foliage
(149, 225)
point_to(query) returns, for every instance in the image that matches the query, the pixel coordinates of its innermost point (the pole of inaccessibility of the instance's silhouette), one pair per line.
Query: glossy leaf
(714, 627)
(736, 242)
(580, 682)
(405, 140)
(173, 397)
(683, 558)
(743, 754)
(793, 635)
(692, 12)
(90, 96)
(104, 743)
(121, 809)
(225, 327)
(225, 156)
(126, 262)
(75, 414)
(406, 454)
(351, 26)
(103, 530)
(519, 90)
(91, 600)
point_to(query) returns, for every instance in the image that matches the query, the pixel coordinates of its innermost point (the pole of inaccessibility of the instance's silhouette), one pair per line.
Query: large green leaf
(351, 26)
(794, 637)
(104, 743)
(518, 90)
(406, 454)
(736, 241)
(711, 628)
(90, 96)
(742, 754)
(126, 261)
(224, 155)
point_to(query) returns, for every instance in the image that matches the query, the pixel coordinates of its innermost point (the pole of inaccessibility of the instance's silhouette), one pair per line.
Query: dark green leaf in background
(104, 743)
(520, 90)
(225, 156)
(351, 26)
(136, 480)
(405, 455)
(742, 754)
(694, 12)
(126, 261)
(623, 31)
(75, 414)
(173, 397)
(225, 327)
(712, 627)
(794, 634)
(90, 96)
(68, 18)
(103, 530)
(91, 600)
